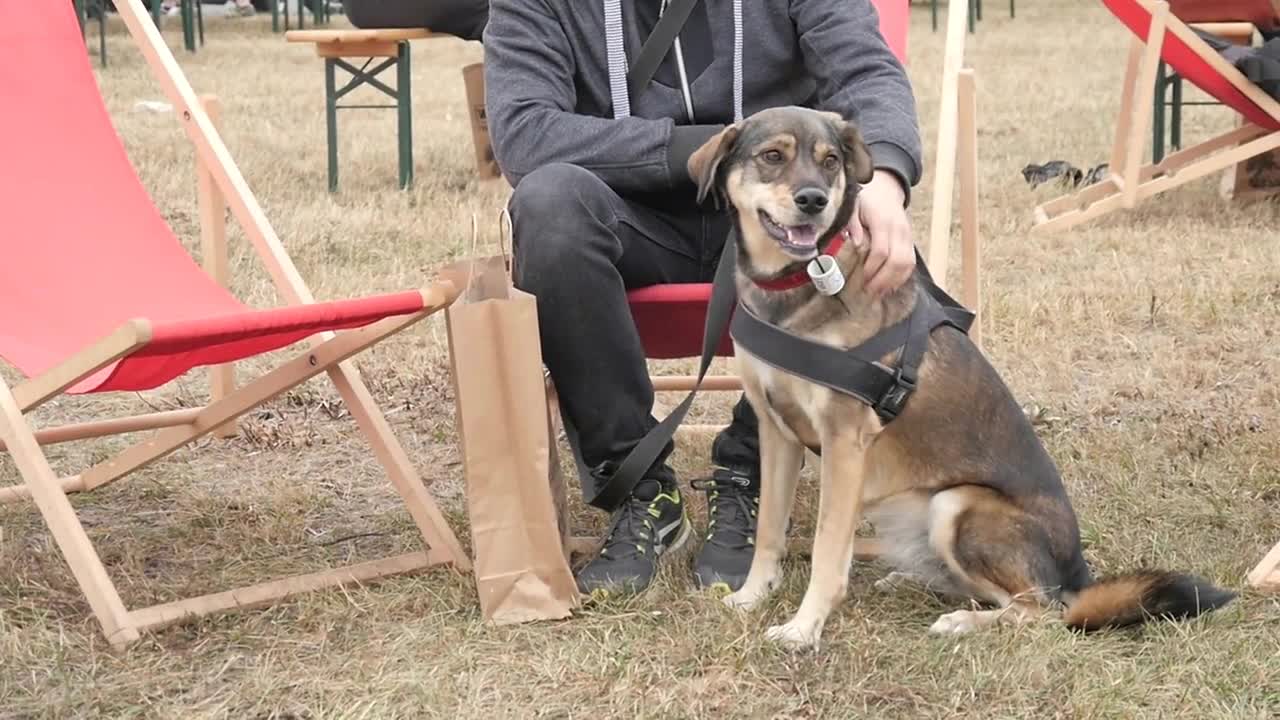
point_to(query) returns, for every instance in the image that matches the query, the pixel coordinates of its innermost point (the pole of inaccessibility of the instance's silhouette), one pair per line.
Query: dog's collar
(800, 278)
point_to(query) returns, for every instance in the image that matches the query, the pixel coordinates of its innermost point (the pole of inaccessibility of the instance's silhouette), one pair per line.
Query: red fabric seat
(1191, 66)
(84, 249)
(671, 319)
(1260, 13)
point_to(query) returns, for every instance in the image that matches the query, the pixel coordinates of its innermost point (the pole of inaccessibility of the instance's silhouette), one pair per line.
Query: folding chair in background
(98, 295)
(671, 318)
(1160, 35)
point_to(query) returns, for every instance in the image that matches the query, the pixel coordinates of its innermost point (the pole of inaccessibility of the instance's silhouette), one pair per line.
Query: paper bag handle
(502, 246)
(505, 214)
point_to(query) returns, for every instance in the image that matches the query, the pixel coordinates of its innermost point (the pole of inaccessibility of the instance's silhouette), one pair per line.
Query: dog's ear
(857, 158)
(705, 161)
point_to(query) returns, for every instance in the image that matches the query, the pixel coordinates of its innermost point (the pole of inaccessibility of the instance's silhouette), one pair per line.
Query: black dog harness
(856, 372)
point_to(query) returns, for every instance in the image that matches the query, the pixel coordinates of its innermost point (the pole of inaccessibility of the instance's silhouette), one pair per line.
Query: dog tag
(825, 273)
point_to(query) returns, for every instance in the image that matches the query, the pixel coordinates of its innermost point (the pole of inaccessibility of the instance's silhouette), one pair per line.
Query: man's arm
(530, 99)
(860, 78)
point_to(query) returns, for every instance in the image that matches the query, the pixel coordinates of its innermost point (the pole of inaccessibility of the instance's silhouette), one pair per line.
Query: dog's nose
(810, 200)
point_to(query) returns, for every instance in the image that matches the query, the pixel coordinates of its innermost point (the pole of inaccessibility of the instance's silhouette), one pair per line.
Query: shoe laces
(631, 532)
(731, 509)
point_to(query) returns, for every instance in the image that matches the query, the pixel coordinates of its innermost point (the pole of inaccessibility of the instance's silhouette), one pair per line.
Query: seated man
(463, 18)
(603, 203)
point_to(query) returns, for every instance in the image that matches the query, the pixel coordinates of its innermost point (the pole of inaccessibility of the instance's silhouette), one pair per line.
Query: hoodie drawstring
(617, 60)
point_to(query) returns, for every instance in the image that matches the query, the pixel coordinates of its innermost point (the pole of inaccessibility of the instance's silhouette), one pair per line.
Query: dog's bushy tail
(1134, 598)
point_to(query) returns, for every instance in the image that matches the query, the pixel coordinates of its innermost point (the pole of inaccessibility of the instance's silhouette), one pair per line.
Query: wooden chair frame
(1129, 181)
(1266, 574)
(956, 160)
(221, 185)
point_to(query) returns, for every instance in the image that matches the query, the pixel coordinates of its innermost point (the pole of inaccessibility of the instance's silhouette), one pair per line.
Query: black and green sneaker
(733, 502)
(649, 524)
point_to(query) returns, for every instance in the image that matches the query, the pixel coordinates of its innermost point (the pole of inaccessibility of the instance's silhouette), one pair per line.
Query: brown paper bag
(509, 453)
(473, 81)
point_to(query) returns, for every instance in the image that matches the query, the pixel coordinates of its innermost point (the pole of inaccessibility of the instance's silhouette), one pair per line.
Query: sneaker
(733, 502)
(649, 524)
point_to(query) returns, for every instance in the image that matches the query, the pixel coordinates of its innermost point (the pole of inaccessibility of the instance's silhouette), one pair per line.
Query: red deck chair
(98, 295)
(1159, 35)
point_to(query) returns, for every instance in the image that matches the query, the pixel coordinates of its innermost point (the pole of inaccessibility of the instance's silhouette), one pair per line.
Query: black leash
(724, 296)
(856, 372)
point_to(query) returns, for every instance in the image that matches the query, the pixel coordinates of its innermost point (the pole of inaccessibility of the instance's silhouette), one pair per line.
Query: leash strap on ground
(857, 372)
(724, 295)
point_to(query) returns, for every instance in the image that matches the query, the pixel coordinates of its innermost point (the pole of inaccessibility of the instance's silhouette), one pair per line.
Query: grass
(1147, 338)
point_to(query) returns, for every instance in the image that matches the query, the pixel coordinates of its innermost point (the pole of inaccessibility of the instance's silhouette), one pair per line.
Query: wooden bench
(391, 46)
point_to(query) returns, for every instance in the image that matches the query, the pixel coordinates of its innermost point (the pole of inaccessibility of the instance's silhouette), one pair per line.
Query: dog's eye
(772, 156)
(831, 162)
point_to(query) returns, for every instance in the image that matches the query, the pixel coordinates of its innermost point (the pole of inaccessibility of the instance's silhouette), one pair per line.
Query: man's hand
(881, 218)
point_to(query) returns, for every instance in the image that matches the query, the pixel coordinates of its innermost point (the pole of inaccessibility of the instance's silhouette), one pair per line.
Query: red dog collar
(801, 278)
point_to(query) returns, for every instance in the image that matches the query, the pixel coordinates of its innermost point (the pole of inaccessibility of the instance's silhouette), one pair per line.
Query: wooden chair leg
(1140, 119)
(970, 241)
(1128, 92)
(944, 177)
(63, 524)
(1266, 575)
(213, 241)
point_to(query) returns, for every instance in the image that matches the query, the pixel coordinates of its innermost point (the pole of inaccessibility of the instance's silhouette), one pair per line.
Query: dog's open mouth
(800, 241)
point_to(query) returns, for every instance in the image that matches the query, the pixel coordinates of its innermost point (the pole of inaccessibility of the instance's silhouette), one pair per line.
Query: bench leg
(1175, 120)
(102, 33)
(331, 119)
(402, 95)
(1157, 115)
(188, 25)
(404, 110)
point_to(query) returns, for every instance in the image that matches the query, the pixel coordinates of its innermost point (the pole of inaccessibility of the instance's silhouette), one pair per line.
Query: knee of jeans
(549, 209)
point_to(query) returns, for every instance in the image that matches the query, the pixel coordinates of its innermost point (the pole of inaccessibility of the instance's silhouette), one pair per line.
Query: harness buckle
(895, 397)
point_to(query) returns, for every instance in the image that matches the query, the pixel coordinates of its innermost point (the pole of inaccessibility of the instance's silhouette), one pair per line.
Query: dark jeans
(579, 247)
(463, 18)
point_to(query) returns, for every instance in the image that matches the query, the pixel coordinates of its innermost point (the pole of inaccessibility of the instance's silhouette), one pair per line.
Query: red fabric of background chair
(1262, 13)
(83, 248)
(1189, 65)
(671, 319)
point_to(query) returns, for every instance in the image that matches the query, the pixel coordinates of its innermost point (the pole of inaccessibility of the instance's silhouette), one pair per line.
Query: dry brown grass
(1149, 339)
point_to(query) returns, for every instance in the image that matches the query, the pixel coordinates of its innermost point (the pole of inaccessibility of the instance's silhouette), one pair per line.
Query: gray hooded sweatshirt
(555, 78)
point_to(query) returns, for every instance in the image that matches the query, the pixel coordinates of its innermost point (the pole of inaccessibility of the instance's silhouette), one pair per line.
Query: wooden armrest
(356, 36)
(1240, 33)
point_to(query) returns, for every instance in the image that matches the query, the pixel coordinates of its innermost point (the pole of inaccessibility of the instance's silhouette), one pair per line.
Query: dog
(965, 497)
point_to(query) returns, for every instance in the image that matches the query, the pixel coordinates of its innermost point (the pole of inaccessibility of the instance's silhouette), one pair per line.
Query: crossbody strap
(657, 44)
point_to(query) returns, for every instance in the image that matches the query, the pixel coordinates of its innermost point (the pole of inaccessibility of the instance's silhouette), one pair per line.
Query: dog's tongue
(803, 235)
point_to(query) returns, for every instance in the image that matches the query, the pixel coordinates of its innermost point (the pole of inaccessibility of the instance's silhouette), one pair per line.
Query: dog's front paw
(959, 622)
(746, 599)
(759, 586)
(796, 635)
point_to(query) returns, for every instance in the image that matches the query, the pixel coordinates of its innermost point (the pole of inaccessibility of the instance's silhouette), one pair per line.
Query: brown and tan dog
(959, 487)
